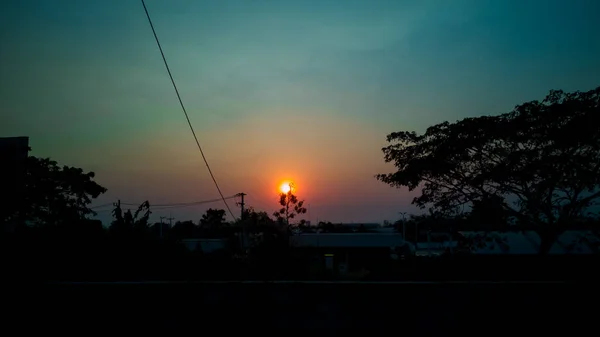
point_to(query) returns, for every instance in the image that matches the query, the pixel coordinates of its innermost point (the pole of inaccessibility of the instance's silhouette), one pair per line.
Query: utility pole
(170, 218)
(161, 225)
(242, 204)
(403, 225)
(416, 234)
(429, 242)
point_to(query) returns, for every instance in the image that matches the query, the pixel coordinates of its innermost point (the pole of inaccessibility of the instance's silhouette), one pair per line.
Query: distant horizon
(106, 217)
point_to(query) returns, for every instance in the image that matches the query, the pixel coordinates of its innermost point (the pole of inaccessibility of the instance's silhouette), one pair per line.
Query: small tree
(130, 222)
(212, 223)
(184, 230)
(290, 207)
(212, 218)
(256, 218)
(260, 229)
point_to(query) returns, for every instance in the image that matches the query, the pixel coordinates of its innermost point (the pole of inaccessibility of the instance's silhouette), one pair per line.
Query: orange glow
(286, 187)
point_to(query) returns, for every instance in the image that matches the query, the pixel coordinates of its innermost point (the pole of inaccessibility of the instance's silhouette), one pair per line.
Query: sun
(285, 187)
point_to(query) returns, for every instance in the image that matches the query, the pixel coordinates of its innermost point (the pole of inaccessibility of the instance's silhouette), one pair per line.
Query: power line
(103, 205)
(188, 204)
(184, 110)
(171, 205)
(159, 208)
(182, 203)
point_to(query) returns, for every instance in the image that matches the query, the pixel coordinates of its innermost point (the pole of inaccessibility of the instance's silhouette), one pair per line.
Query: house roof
(347, 240)
(527, 242)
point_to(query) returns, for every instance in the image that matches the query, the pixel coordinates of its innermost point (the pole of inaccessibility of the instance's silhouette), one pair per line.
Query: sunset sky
(303, 90)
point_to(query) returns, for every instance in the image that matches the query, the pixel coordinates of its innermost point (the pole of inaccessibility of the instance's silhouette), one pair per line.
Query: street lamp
(403, 225)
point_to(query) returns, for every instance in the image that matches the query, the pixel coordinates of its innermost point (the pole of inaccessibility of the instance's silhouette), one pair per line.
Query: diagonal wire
(184, 110)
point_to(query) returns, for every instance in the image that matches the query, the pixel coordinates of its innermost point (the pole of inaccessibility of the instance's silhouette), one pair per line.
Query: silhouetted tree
(184, 230)
(362, 229)
(329, 227)
(250, 213)
(540, 162)
(290, 207)
(128, 222)
(54, 194)
(213, 218)
(212, 224)
(256, 219)
(260, 230)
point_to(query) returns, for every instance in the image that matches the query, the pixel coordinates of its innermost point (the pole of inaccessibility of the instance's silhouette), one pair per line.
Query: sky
(276, 90)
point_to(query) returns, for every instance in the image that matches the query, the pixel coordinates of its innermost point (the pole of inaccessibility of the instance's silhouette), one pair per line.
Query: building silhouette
(13, 162)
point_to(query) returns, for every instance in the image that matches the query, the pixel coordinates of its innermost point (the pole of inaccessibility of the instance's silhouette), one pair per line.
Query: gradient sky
(302, 90)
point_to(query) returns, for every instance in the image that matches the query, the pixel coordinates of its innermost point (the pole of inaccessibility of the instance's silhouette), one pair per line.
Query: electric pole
(161, 226)
(242, 204)
(403, 225)
(170, 218)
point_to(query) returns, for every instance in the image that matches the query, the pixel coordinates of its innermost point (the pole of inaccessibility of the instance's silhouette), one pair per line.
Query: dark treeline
(536, 168)
(132, 249)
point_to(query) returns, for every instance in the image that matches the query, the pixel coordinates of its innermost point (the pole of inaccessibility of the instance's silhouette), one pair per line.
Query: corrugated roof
(347, 240)
(527, 242)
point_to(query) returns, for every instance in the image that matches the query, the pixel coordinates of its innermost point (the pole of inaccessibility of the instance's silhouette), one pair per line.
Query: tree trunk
(547, 239)
(545, 246)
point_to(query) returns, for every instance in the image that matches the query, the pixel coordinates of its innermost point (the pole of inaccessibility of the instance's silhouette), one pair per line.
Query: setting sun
(285, 187)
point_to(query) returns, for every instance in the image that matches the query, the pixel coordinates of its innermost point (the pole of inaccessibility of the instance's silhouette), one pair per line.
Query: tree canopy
(55, 194)
(213, 217)
(539, 163)
(256, 218)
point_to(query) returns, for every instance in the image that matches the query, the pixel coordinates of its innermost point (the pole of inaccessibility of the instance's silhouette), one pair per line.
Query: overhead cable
(184, 110)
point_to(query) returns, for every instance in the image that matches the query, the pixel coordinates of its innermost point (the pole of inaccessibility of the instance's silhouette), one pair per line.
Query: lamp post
(403, 225)
(161, 226)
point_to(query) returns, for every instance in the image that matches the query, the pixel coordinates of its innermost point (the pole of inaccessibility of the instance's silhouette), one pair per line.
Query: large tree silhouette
(54, 194)
(540, 162)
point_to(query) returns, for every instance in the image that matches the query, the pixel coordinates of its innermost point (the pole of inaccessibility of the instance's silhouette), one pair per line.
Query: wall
(205, 245)
(410, 309)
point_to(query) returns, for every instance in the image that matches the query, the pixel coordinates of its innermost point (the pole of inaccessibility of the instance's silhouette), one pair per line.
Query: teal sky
(300, 90)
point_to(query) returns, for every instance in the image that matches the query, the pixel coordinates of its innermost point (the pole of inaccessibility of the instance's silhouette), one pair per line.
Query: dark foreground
(408, 309)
